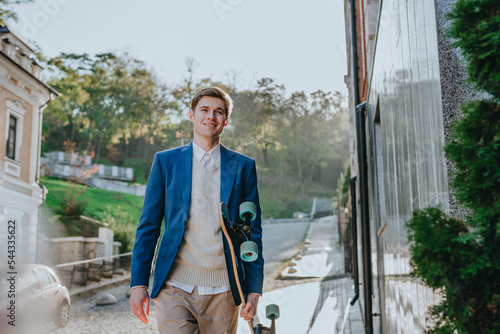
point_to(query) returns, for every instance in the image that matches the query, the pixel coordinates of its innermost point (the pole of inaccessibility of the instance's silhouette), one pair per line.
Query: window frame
(16, 110)
(11, 139)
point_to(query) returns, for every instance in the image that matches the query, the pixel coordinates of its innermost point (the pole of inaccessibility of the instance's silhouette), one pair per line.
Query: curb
(84, 292)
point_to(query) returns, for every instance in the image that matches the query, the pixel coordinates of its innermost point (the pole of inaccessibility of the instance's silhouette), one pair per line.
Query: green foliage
(476, 26)
(120, 211)
(449, 257)
(475, 150)
(277, 191)
(447, 261)
(100, 202)
(106, 99)
(72, 204)
(6, 11)
(346, 182)
(123, 227)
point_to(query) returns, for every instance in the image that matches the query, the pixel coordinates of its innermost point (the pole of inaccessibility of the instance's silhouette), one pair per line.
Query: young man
(186, 184)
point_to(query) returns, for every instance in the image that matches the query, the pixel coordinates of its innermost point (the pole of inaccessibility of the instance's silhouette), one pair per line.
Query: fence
(83, 273)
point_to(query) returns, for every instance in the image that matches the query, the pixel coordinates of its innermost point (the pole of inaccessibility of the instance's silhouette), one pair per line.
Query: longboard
(234, 233)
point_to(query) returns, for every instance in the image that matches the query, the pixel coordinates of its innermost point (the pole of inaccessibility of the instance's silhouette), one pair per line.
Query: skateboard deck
(240, 252)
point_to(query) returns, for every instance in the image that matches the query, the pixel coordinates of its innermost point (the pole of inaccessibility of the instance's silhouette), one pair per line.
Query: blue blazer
(168, 195)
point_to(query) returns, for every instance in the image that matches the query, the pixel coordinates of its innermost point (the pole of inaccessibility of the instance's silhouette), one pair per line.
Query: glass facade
(407, 168)
(414, 85)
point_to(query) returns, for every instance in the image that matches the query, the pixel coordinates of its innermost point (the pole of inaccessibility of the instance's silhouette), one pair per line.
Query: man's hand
(251, 309)
(138, 298)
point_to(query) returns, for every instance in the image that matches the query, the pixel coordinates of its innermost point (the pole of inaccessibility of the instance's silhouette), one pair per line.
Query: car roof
(22, 268)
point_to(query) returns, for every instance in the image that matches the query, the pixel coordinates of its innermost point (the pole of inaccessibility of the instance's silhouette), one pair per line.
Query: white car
(31, 295)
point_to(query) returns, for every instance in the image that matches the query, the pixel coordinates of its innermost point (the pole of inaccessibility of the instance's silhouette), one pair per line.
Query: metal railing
(83, 273)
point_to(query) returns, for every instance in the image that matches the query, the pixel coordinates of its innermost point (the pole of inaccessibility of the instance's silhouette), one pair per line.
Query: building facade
(23, 97)
(406, 83)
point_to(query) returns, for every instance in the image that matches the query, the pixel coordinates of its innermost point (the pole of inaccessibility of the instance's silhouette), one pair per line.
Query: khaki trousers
(180, 312)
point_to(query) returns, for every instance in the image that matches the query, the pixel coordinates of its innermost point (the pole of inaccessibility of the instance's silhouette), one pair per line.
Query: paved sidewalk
(322, 304)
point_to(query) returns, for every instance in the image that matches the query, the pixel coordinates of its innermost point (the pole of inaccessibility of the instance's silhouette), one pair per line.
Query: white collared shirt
(206, 158)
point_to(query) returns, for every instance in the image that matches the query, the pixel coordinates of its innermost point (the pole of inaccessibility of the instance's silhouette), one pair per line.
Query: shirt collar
(198, 152)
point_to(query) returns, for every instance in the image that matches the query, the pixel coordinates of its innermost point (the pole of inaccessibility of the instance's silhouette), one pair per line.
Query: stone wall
(71, 249)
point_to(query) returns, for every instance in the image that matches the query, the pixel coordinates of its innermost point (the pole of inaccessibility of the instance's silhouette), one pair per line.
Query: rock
(105, 299)
(299, 214)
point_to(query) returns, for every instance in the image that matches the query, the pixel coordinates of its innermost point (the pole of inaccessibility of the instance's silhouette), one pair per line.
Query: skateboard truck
(248, 249)
(272, 313)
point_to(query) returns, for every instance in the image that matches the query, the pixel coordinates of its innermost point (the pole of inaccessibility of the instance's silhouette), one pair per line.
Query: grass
(101, 203)
(120, 211)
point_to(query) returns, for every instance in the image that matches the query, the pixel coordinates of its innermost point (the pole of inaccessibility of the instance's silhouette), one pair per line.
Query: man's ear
(191, 115)
(226, 121)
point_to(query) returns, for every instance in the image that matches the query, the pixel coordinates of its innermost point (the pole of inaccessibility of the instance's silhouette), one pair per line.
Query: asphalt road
(281, 242)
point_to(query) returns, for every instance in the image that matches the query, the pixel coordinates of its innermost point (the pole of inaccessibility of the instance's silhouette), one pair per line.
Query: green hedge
(476, 27)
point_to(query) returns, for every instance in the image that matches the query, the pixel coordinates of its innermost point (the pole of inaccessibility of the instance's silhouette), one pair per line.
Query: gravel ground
(88, 318)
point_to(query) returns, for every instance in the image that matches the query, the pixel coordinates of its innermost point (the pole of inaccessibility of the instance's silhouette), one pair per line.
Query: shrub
(72, 203)
(476, 28)
(345, 187)
(475, 151)
(123, 228)
(450, 259)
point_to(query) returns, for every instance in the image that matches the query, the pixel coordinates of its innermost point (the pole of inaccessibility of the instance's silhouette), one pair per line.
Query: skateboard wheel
(248, 207)
(249, 251)
(272, 310)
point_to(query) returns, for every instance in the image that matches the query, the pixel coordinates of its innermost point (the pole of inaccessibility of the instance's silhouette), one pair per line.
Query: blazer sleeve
(254, 271)
(149, 228)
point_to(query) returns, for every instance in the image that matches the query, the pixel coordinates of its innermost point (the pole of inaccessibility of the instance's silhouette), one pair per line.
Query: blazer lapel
(229, 168)
(184, 171)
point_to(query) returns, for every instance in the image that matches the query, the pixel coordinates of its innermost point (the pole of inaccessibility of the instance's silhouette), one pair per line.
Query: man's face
(209, 118)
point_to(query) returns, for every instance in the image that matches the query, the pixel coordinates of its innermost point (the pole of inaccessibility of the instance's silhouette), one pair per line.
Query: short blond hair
(213, 92)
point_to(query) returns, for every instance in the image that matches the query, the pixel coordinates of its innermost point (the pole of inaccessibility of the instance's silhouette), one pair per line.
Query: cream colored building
(23, 97)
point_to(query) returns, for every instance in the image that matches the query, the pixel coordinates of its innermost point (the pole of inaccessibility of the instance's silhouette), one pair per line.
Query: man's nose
(211, 114)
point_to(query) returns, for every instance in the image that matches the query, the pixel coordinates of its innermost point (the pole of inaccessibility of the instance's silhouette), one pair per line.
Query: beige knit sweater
(200, 260)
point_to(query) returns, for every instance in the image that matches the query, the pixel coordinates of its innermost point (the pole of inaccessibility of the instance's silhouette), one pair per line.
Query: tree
(309, 128)
(251, 128)
(6, 11)
(183, 93)
(106, 98)
(66, 111)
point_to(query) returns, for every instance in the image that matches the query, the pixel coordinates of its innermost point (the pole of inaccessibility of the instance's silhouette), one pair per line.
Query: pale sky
(299, 43)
